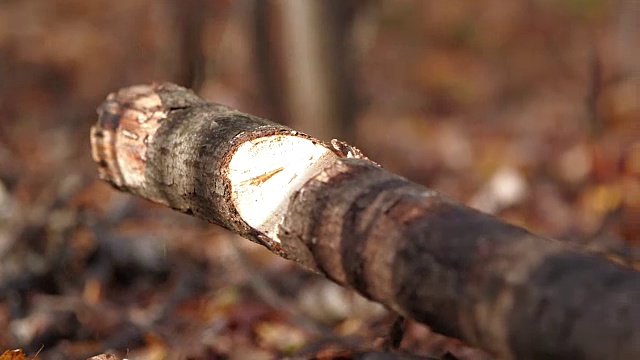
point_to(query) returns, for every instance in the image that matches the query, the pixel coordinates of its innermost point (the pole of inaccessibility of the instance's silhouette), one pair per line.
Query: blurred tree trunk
(304, 64)
(190, 18)
(628, 36)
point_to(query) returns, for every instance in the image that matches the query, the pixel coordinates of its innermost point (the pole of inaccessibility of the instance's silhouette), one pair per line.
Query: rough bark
(324, 205)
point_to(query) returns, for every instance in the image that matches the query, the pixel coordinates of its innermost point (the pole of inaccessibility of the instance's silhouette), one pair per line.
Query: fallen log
(326, 206)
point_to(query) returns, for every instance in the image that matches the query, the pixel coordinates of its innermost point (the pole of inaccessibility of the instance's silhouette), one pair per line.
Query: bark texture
(464, 273)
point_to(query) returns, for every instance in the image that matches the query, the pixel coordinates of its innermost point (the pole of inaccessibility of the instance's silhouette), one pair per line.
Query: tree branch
(324, 205)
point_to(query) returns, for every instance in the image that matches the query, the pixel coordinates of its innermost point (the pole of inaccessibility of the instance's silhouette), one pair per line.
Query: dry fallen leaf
(16, 354)
(102, 357)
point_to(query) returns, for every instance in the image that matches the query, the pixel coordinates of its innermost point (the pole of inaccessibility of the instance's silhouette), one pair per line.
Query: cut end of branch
(126, 124)
(263, 170)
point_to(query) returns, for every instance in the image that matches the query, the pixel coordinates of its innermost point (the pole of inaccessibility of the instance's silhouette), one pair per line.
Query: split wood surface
(324, 205)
